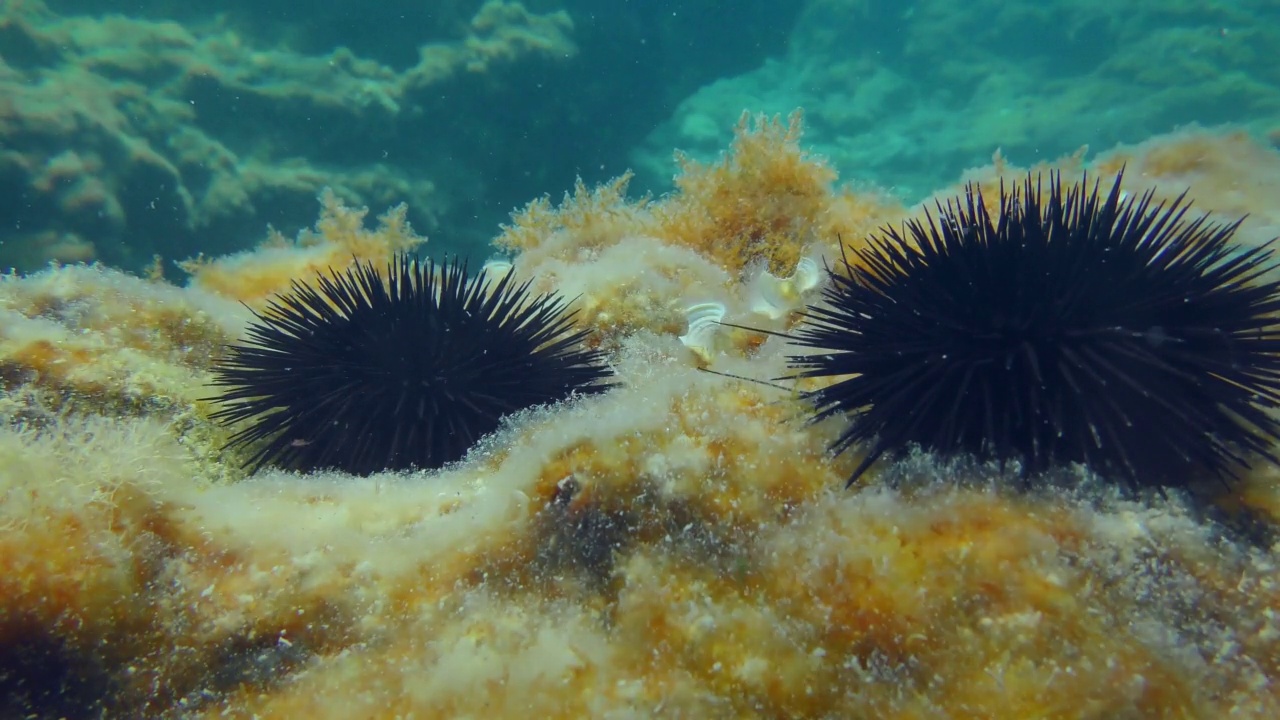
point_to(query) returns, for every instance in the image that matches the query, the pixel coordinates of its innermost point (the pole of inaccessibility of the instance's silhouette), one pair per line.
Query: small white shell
(807, 275)
(775, 297)
(704, 326)
(497, 268)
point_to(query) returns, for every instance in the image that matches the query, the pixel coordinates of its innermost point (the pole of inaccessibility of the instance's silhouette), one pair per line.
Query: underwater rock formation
(123, 137)
(911, 93)
(680, 546)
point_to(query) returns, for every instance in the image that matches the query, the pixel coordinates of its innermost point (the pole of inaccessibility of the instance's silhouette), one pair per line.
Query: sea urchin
(1071, 328)
(364, 372)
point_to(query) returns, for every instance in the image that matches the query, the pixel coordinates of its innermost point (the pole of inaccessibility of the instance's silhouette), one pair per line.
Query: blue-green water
(129, 129)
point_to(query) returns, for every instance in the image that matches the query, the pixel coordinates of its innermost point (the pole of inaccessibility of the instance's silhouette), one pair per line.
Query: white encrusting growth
(497, 268)
(775, 297)
(704, 327)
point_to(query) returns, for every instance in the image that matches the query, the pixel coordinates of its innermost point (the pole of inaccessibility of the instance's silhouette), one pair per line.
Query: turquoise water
(130, 129)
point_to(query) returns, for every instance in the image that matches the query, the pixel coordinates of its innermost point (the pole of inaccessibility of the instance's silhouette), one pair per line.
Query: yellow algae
(639, 264)
(339, 240)
(109, 340)
(1229, 174)
(1260, 490)
(766, 201)
(587, 219)
(761, 202)
(680, 546)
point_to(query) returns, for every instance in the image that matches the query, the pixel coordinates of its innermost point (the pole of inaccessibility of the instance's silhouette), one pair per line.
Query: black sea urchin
(364, 372)
(1106, 331)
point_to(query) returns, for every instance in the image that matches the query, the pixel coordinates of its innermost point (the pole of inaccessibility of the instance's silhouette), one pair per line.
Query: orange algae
(766, 201)
(640, 264)
(107, 340)
(1230, 174)
(981, 604)
(338, 241)
(1260, 492)
(713, 604)
(1227, 174)
(592, 218)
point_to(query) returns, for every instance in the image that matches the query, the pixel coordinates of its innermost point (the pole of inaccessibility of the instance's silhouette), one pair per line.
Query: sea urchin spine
(364, 372)
(1071, 328)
